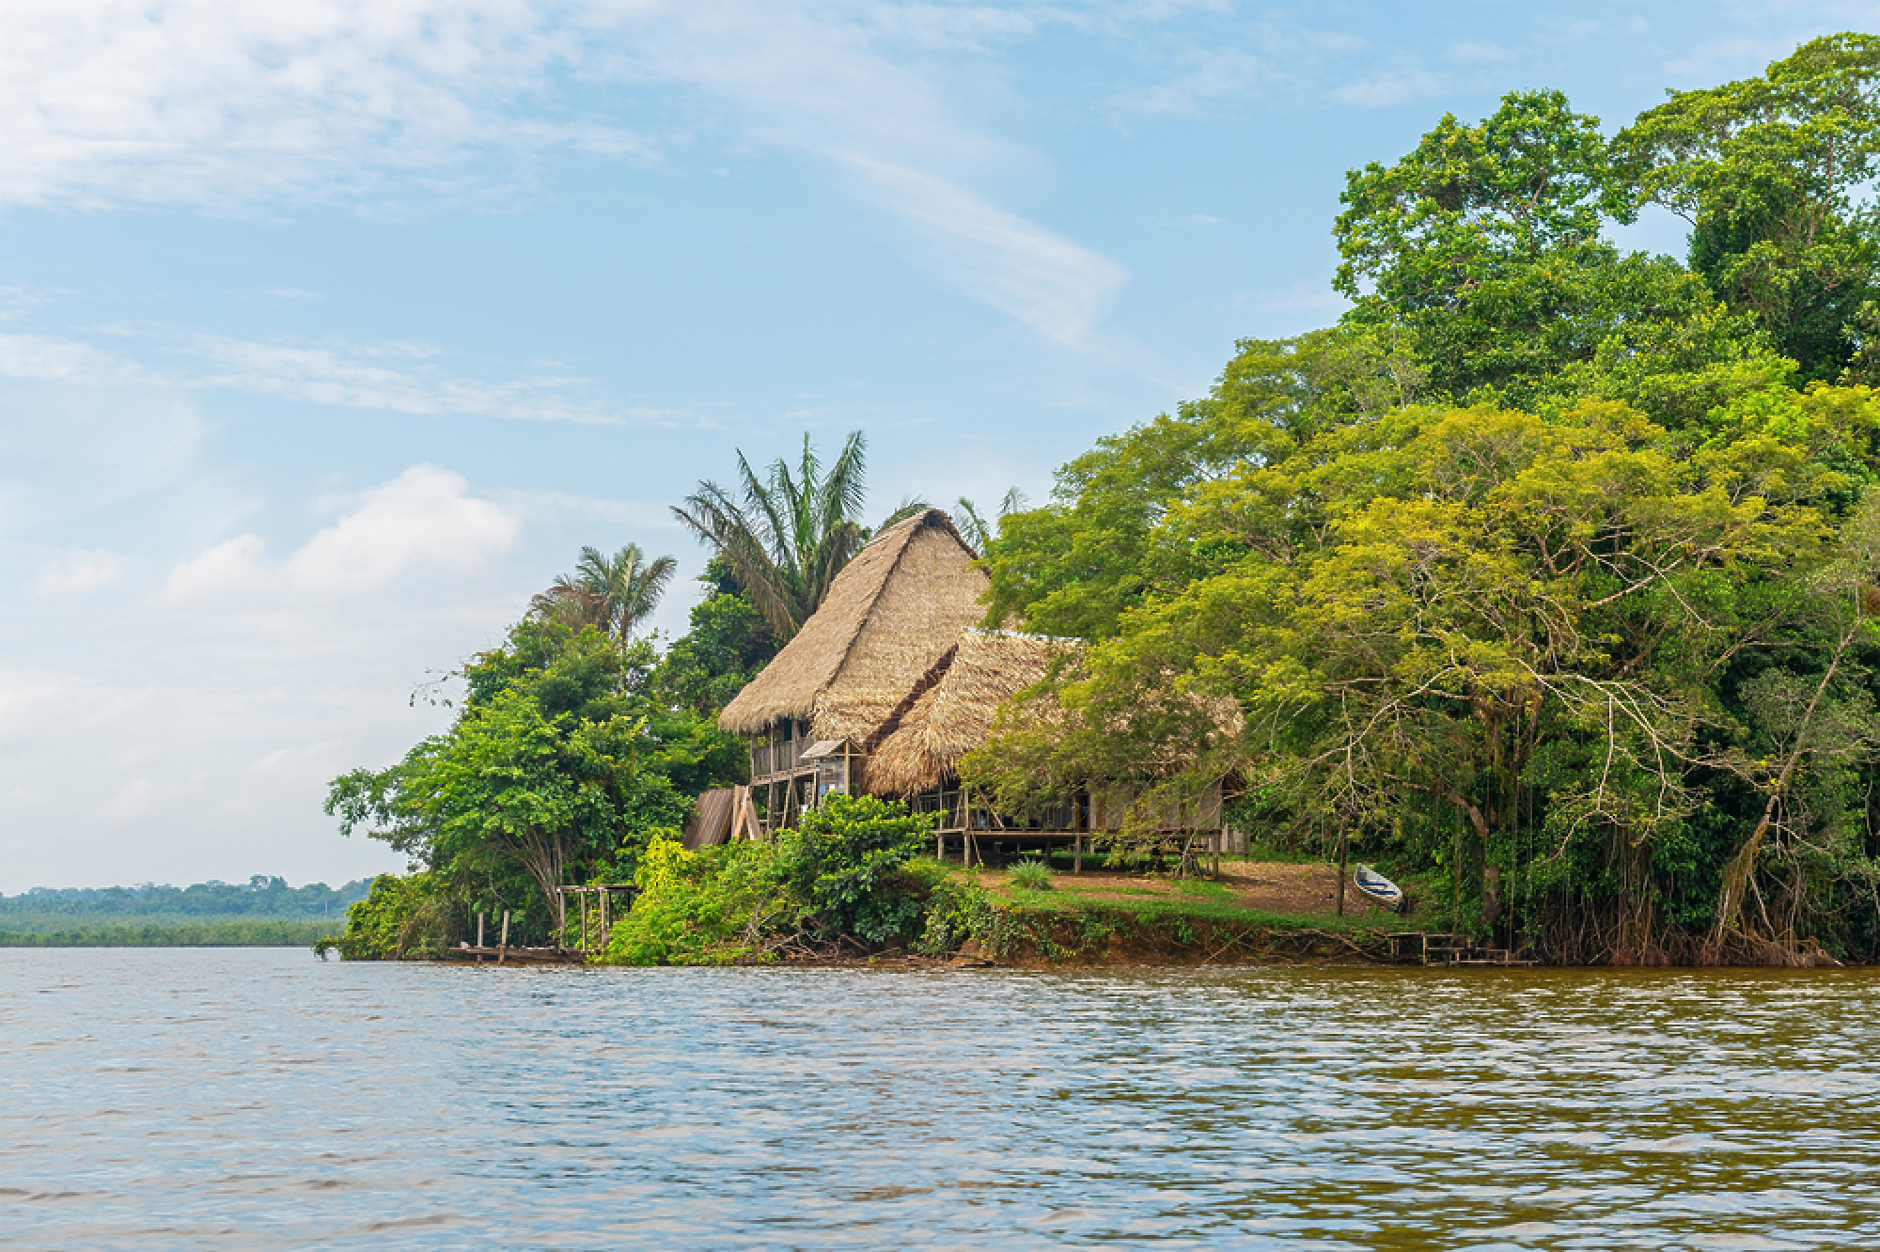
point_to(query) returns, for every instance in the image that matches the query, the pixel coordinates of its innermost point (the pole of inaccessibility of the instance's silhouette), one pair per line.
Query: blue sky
(331, 330)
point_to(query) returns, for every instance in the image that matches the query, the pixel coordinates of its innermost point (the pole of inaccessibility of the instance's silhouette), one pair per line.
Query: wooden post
(479, 928)
(502, 949)
(1077, 861)
(1344, 845)
(584, 924)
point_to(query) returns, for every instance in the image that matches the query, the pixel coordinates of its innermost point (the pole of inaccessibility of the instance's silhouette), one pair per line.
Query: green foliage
(399, 918)
(558, 762)
(846, 863)
(1551, 572)
(693, 908)
(262, 896)
(1767, 171)
(726, 644)
(612, 594)
(1484, 246)
(1031, 875)
(786, 535)
(170, 933)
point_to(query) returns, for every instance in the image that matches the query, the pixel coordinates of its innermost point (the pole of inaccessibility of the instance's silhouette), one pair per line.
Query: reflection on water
(258, 1099)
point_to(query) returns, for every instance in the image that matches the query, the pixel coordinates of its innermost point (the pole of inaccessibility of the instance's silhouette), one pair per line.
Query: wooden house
(888, 686)
(892, 612)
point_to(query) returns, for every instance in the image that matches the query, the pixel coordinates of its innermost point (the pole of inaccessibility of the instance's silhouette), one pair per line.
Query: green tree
(1774, 176)
(1073, 566)
(613, 594)
(725, 645)
(553, 767)
(787, 535)
(1484, 246)
(846, 864)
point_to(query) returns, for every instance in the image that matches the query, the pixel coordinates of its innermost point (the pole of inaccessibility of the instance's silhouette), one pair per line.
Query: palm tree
(787, 535)
(973, 526)
(614, 594)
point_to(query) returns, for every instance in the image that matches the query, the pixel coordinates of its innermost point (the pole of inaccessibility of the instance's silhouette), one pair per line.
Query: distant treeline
(261, 897)
(171, 934)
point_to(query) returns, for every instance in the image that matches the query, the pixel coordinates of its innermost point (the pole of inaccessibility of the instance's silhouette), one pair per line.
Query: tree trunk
(1739, 868)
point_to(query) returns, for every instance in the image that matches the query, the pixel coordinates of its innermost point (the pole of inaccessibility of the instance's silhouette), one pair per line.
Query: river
(259, 1099)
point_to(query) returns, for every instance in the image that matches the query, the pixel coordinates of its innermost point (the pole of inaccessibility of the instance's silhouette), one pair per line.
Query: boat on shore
(1379, 888)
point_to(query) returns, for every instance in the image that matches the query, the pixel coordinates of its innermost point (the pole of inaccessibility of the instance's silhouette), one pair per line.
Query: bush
(845, 866)
(693, 907)
(399, 918)
(1031, 875)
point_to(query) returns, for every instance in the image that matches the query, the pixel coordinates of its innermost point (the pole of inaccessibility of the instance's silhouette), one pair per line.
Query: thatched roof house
(950, 713)
(886, 687)
(889, 615)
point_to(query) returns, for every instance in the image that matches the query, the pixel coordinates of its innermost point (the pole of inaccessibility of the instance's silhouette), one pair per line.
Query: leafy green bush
(399, 918)
(1031, 875)
(955, 909)
(694, 908)
(845, 865)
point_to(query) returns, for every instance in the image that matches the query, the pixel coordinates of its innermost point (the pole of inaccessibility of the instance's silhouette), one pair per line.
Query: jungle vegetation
(1547, 577)
(1549, 574)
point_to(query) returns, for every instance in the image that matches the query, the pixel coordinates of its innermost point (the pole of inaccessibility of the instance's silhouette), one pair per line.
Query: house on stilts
(886, 688)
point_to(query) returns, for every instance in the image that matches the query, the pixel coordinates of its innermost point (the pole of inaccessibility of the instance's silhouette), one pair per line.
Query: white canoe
(1378, 887)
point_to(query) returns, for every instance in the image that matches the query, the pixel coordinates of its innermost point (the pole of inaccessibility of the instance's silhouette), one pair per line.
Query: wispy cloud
(78, 572)
(220, 102)
(226, 104)
(1038, 277)
(353, 380)
(391, 377)
(49, 358)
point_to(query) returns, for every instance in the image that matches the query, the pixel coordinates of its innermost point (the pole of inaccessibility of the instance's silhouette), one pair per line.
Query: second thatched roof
(889, 615)
(951, 712)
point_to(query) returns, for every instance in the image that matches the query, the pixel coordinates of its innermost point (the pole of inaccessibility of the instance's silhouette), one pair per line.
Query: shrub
(399, 918)
(1031, 875)
(845, 866)
(693, 907)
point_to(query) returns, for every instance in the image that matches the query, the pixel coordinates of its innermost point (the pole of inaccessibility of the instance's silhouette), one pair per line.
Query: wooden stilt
(1344, 845)
(503, 944)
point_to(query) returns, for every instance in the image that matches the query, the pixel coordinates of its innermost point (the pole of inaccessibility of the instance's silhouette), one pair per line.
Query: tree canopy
(1550, 570)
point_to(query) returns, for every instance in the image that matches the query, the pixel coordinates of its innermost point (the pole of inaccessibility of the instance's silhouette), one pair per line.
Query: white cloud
(78, 572)
(232, 565)
(422, 519)
(1380, 91)
(51, 359)
(1030, 274)
(220, 101)
(131, 804)
(1213, 75)
(355, 380)
(351, 376)
(233, 104)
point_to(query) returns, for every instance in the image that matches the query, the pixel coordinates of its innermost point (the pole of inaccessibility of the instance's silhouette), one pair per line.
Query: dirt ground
(1276, 887)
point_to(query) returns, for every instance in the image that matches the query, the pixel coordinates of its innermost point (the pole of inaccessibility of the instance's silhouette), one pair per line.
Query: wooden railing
(775, 758)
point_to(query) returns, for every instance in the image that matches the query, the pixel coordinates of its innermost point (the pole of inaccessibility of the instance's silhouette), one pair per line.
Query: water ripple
(258, 1099)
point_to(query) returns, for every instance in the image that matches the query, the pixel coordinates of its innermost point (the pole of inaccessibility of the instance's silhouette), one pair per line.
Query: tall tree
(614, 594)
(1484, 245)
(1774, 175)
(787, 534)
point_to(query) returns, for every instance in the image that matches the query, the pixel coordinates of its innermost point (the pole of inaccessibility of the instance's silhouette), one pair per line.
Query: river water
(259, 1099)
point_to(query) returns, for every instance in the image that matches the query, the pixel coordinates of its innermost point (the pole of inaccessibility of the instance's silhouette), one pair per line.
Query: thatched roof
(889, 615)
(951, 712)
